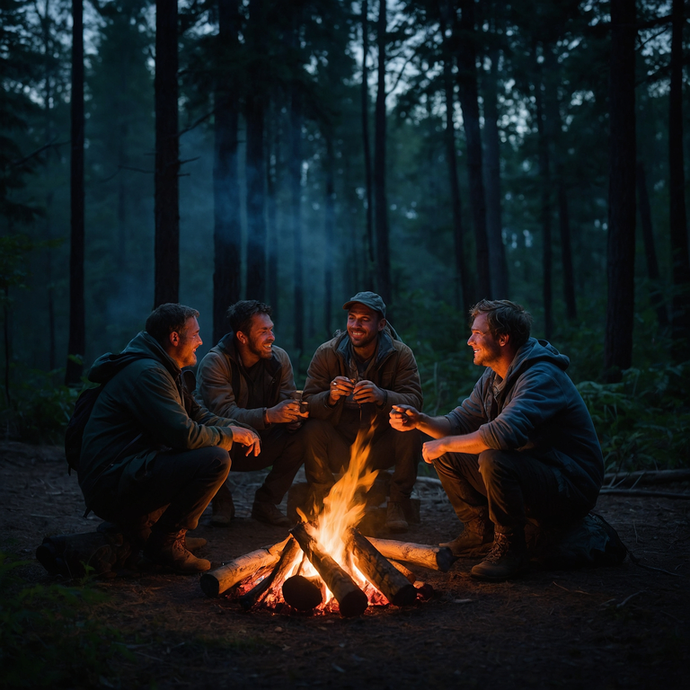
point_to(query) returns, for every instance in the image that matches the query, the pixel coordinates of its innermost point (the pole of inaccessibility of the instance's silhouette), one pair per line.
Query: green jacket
(223, 389)
(394, 370)
(142, 410)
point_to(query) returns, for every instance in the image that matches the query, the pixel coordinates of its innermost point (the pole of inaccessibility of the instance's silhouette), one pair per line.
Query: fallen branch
(646, 477)
(644, 492)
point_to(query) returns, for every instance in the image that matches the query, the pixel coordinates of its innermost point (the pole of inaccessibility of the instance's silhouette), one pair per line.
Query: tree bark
(227, 230)
(273, 233)
(167, 165)
(295, 173)
(383, 268)
(680, 314)
(366, 149)
(329, 227)
(77, 315)
(433, 557)
(621, 236)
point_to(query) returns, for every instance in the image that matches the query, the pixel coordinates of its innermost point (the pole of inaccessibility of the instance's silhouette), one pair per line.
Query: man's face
(363, 325)
(260, 338)
(487, 349)
(189, 341)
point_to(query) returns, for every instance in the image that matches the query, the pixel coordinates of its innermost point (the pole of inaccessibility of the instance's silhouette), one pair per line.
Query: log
(352, 601)
(217, 581)
(302, 593)
(381, 572)
(615, 479)
(404, 570)
(257, 593)
(433, 557)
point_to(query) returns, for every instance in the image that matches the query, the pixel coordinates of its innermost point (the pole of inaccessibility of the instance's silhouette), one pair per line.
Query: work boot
(167, 549)
(265, 511)
(474, 540)
(223, 508)
(194, 543)
(395, 517)
(507, 558)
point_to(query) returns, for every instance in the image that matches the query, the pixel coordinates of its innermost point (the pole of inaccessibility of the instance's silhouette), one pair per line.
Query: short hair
(169, 318)
(239, 314)
(504, 318)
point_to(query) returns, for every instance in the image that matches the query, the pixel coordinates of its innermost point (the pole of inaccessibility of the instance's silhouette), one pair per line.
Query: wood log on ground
(302, 593)
(352, 601)
(404, 570)
(217, 581)
(645, 492)
(258, 593)
(614, 479)
(433, 557)
(381, 572)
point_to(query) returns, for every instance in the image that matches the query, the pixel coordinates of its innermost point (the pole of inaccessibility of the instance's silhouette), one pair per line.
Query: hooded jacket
(536, 409)
(142, 410)
(394, 370)
(222, 385)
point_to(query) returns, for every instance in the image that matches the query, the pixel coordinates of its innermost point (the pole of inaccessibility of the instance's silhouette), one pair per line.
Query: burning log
(434, 557)
(287, 560)
(302, 593)
(352, 601)
(381, 572)
(217, 581)
(405, 571)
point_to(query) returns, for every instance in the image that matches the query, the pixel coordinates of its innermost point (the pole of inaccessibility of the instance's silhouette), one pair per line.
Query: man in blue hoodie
(522, 445)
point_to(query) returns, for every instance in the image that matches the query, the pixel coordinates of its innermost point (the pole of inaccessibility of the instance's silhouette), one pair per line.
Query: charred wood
(302, 593)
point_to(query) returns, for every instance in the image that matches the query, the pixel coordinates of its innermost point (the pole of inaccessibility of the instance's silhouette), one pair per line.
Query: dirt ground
(612, 627)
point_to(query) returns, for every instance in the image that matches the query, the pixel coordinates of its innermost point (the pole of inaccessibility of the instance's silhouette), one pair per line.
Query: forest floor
(626, 626)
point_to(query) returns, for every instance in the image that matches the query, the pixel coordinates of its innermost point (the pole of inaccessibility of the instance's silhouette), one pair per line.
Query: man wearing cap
(352, 383)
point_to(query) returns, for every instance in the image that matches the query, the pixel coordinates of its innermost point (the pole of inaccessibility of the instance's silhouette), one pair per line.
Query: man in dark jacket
(248, 378)
(352, 383)
(152, 458)
(523, 444)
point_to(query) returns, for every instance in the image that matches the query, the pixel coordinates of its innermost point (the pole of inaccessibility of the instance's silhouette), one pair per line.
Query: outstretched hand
(404, 417)
(247, 437)
(286, 412)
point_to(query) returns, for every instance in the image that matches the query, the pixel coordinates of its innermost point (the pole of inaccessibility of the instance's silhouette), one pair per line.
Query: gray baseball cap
(370, 299)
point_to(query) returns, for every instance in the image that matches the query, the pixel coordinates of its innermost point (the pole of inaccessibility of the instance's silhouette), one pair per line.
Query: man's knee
(494, 464)
(215, 460)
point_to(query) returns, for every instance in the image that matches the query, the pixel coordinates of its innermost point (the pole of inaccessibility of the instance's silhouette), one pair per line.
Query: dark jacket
(141, 411)
(536, 409)
(222, 386)
(394, 370)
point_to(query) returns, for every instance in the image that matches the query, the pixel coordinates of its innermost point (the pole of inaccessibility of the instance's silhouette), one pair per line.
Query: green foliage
(49, 636)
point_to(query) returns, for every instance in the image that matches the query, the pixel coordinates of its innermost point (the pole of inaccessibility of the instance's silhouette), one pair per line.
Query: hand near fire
(404, 417)
(432, 450)
(368, 392)
(340, 386)
(247, 437)
(286, 412)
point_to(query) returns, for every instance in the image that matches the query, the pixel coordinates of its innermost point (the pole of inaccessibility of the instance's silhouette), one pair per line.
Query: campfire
(326, 564)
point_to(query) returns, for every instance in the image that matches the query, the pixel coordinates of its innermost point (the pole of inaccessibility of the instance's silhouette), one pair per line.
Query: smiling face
(363, 326)
(258, 343)
(186, 343)
(488, 350)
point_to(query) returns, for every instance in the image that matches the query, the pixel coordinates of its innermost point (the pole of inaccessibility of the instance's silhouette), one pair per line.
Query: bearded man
(248, 378)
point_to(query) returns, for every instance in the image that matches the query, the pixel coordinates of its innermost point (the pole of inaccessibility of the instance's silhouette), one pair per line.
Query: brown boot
(194, 543)
(474, 541)
(395, 517)
(167, 549)
(507, 559)
(223, 508)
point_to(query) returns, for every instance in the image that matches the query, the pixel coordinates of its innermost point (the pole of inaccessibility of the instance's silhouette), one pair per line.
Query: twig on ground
(644, 492)
(636, 561)
(572, 591)
(627, 599)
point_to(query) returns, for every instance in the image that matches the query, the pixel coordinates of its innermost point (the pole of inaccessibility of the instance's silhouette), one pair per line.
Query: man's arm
(322, 370)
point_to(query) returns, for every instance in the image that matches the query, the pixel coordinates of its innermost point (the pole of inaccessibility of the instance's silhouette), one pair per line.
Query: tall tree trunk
(366, 148)
(227, 230)
(545, 184)
(566, 246)
(167, 166)
(272, 213)
(295, 172)
(469, 101)
(462, 278)
(329, 227)
(621, 237)
(383, 265)
(680, 313)
(655, 296)
(77, 316)
(494, 223)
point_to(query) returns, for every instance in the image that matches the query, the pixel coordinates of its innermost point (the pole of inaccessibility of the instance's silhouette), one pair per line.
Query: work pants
(512, 486)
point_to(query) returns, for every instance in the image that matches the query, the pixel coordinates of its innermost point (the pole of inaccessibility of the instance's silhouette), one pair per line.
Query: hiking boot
(474, 540)
(167, 549)
(223, 509)
(507, 558)
(265, 511)
(194, 543)
(395, 517)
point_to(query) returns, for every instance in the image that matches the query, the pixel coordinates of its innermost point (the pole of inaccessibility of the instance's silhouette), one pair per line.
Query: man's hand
(340, 386)
(247, 437)
(286, 412)
(404, 417)
(369, 392)
(432, 450)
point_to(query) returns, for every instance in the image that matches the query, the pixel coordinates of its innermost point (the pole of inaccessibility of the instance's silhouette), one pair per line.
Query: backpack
(74, 434)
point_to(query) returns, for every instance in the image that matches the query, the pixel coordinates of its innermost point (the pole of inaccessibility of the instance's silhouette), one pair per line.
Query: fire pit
(327, 565)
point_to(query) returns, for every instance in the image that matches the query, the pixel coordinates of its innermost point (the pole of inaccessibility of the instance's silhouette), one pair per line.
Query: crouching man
(523, 444)
(152, 459)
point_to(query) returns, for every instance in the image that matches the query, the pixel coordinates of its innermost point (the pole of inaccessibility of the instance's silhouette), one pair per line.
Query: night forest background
(296, 152)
